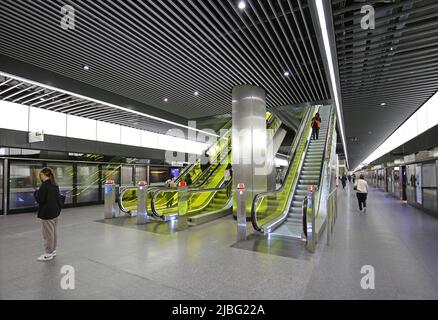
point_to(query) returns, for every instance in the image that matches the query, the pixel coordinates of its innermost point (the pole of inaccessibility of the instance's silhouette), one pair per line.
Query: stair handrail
(272, 118)
(167, 189)
(295, 144)
(327, 156)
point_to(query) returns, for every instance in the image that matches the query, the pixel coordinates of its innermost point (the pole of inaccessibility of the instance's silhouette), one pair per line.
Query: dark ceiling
(147, 51)
(151, 50)
(395, 64)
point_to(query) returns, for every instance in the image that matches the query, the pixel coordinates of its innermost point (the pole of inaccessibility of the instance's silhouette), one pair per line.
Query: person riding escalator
(205, 161)
(228, 175)
(315, 124)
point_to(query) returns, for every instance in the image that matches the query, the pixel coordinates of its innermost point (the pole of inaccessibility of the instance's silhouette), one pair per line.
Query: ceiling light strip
(329, 57)
(106, 104)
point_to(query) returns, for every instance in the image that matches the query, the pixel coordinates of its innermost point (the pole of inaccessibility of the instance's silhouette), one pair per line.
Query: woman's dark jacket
(49, 200)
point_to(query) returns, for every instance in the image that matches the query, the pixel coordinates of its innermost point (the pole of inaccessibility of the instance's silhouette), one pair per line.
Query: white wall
(424, 119)
(18, 117)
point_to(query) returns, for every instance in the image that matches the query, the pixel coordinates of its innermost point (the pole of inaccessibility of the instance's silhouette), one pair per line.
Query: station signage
(36, 136)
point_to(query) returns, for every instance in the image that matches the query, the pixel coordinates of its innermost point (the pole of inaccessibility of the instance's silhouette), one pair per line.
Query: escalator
(212, 198)
(128, 195)
(280, 212)
(207, 195)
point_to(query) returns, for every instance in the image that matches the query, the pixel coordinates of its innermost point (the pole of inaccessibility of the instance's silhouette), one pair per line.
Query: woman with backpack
(315, 124)
(49, 208)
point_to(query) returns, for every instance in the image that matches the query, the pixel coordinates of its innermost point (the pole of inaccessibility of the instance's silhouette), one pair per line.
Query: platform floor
(204, 262)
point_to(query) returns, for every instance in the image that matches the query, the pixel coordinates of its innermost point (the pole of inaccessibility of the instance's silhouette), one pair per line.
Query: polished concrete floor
(204, 262)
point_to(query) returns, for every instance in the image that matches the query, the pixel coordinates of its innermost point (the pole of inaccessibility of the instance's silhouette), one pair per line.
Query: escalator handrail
(272, 192)
(212, 190)
(201, 175)
(184, 172)
(217, 154)
(194, 191)
(327, 154)
(272, 116)
(212, 163)
(189, 191)
(225, 135)
(125, 189)
(157, 192)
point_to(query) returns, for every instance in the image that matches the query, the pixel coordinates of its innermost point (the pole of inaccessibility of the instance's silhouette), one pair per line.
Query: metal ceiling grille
(22, 92)
(152, 50)
(387, 73)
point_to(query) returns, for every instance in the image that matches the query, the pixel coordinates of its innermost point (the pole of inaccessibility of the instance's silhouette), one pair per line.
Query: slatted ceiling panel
(151, 50)
(24, 93)
(396, 64)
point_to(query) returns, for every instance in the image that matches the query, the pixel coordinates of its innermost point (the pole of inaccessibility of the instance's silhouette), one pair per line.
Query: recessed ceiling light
(242, 5)
(85, 67)
(391, 49)
(286, 74)
(165, 99)
(196, 93)
(383, 104)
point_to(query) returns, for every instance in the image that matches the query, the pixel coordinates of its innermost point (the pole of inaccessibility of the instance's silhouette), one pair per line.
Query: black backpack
(61, 201)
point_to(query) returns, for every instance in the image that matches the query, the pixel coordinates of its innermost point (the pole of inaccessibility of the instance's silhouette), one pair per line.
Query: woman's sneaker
(45, 257)
(364, 209)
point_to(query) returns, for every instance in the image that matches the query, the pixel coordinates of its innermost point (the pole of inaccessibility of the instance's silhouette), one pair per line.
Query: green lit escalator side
(271, 207)
(167, 201)
(129, 197)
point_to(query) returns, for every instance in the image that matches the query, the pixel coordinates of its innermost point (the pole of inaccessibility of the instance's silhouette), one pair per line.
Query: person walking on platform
(49, 202)
(344, 181)
(354, 178)
(362, 192)
(315, 124)
(349, 178)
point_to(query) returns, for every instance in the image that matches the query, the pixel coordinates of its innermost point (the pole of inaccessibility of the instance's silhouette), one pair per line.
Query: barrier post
(110, 200)
(310, 245)
(142, 214)
(241, 212)
(183, 206)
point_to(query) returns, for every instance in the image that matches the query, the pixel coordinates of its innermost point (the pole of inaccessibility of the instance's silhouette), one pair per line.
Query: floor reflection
(279, 246)
(154, 226)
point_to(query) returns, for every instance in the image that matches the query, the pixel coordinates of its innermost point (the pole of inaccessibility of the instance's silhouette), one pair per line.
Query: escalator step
(295, 210)
(309, 176)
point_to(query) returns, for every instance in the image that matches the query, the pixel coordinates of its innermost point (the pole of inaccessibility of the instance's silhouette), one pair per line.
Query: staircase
(309, 175)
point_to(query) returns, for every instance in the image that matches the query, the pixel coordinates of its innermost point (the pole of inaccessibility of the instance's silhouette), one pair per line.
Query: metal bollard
(328, 220)
(311, 241)
(142, 213)
(241, 212)
(110, 207)
(183, 206)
